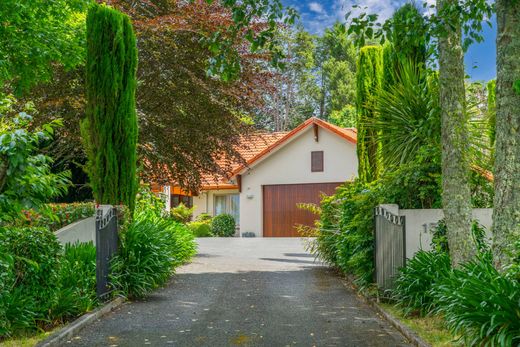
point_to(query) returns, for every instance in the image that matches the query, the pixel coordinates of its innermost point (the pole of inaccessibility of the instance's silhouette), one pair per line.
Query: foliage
(407, 32)
(480, 304)
(346, 223)
(26, 180)
(110, 126)
(223, 225)
(409, 117)
(30, 259)
(150, 249)
(200, 229)
(56, 216)
(204, 217)
(182, 213)
(149, 202)
(77, 281)
(318, 80)
(413, 285)
(42, 284)
(471, 14)
(440, 238)
(36, 34)
(368, 80)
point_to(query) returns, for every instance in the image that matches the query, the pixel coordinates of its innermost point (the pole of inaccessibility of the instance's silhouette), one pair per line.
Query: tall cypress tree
(110, 127)
(368, 80)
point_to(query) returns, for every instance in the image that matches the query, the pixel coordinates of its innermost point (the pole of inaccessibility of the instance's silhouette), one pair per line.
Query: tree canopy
(36, 33)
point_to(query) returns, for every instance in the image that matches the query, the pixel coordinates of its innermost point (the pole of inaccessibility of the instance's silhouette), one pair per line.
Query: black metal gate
(390, 247)
(106, 246)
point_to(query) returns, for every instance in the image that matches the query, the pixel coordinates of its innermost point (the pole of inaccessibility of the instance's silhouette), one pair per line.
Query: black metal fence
(390, 247)
(106, 246)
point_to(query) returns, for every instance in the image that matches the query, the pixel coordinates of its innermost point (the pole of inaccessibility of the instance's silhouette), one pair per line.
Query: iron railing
(106, 247)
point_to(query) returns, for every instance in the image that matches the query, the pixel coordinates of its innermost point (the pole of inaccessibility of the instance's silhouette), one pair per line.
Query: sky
(315, 16)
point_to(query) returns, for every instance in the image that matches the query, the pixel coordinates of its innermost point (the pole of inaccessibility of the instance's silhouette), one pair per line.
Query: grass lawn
(430, 329)
(27, 340)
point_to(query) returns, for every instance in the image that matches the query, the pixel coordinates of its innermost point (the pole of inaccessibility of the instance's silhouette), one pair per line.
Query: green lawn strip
(28, 339)
(430, 328)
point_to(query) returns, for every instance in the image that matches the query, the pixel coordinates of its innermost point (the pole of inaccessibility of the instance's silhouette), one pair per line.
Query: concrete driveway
(246, 292)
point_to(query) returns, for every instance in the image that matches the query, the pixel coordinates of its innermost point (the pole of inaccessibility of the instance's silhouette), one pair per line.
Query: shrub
(200, 229)
(56, 216)
(150, 248)
(204, 217)
(413, 286)
(346, 224)
(223, 225)
(30, 264)
(77, 281)
(181, 213)
(183, 245)
(480, 304)
(147, 201)
(27, 180)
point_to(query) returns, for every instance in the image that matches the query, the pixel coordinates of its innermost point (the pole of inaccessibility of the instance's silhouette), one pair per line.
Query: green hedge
(57, 216)
(40, 283)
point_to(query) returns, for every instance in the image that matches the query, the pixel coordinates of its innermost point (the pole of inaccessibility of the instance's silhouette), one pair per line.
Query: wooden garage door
(280, 210)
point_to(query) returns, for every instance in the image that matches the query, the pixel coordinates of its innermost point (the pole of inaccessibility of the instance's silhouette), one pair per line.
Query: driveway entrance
(246, 292)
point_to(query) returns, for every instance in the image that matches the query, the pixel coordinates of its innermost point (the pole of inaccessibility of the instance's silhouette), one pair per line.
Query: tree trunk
(506, 215)
(456, 195)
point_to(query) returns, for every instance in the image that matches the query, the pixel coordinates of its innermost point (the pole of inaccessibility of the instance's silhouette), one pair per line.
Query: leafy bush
(346, 223)
(30, 264)
(77, 281)
(182, 213)
(27, 180)
(413, 286)
(200, 229)
(204, 217)
(480, 304)
(56, 216)
(150, 248)
(147, 201)
(223, 225)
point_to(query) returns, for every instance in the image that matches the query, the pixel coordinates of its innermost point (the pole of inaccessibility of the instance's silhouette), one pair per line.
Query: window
(317, 161)
(177, 199)
(229, 204)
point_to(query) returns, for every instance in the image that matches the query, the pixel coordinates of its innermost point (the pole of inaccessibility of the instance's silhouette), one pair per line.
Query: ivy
(516, 86)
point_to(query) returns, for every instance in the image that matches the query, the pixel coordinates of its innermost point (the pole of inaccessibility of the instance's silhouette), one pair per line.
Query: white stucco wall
(83, 231)
(291, 164)
(420, 222)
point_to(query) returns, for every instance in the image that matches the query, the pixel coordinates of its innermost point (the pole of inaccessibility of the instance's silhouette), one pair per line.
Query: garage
(280, 211)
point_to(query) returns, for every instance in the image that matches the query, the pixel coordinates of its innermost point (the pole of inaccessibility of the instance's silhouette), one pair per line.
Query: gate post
(106, 246)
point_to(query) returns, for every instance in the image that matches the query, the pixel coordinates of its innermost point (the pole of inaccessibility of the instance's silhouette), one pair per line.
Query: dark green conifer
(368, 80)
(110, 127)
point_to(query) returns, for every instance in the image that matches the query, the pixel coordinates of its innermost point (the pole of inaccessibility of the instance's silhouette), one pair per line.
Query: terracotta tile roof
(258, 145)
(249, 147)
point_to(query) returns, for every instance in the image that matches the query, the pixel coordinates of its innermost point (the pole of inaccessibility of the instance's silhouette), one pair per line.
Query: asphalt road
(246, 292)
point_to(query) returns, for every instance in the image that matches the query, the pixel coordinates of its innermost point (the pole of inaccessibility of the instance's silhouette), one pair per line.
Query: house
(282, 170)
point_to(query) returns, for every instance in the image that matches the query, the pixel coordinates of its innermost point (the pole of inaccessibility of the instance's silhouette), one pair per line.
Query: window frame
(317, 161)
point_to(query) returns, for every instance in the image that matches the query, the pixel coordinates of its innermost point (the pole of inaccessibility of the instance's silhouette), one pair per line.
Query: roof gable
(349, 134)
